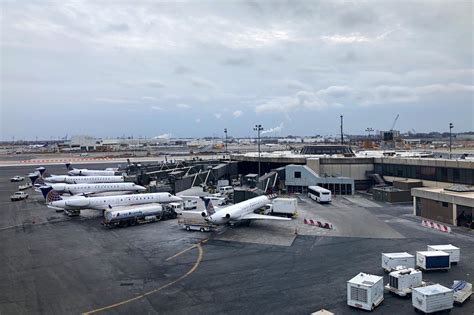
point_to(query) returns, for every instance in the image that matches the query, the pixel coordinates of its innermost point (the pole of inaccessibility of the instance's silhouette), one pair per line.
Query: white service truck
(138, 215)
(19, 195)
(282, 206)
(189, 204)
(176, 206)
(194, 221)
(226, 190)
(25, 186)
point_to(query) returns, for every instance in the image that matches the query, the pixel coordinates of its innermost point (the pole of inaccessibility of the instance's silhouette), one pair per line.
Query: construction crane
(389, 136)
(394, 122)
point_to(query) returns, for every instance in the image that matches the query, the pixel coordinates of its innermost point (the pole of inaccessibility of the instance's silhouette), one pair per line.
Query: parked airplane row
(98, 190)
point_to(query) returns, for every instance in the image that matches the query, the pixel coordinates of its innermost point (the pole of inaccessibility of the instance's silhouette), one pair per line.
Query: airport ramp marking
(190, 271)
(185, 250)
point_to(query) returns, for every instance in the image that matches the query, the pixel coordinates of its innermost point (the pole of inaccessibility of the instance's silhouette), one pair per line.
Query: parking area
(55, 264)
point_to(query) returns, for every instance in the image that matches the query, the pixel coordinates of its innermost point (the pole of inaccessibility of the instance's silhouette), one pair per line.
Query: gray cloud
(202, 83)
(278, 59)
(183, 70)
(119, 27)
(152, 83)
(238, 61)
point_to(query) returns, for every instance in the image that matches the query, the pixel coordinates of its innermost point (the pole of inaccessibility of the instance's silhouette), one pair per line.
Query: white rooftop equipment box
(392, 260)
(402, 281)
(433, 260)
(453, 251)
(365, 291)
(432, 298)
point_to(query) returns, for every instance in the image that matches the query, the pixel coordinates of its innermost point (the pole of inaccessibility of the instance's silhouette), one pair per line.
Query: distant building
(83, 143)
(299, 177)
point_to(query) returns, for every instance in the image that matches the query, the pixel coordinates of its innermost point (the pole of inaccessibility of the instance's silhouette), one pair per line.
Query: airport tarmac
(53, 264)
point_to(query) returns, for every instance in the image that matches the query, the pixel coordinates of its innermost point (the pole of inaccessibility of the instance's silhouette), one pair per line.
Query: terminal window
(297, 174)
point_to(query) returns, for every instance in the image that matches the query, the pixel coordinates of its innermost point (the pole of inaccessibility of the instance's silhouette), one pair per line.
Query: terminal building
(453, 205)
(425, 179)
(299, 177)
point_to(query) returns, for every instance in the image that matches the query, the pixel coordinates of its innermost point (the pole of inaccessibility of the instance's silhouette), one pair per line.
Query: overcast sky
(147, 68)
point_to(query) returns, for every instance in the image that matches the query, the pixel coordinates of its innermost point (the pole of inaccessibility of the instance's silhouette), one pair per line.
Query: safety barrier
(324, 225)
(436, 226)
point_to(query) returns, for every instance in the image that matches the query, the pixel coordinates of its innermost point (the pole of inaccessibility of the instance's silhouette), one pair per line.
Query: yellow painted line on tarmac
(190, 271)
(185, 250)
(181, 252)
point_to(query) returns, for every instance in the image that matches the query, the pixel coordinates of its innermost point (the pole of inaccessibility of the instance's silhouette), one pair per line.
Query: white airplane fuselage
(83, 179)
(96, 188)
(107, 202)
(86, 172)
(235, 212)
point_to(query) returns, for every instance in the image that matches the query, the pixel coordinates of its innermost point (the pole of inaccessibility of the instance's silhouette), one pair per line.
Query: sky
(193, 68)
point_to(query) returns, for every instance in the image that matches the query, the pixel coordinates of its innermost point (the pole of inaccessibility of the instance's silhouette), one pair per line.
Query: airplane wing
(86, 194)
(254, 216)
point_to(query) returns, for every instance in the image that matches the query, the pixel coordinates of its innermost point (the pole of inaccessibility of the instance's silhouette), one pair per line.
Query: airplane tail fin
(69, 167)
(33, 177)
(208, 205)
(36, 180)
(43, 172)
(50, 194)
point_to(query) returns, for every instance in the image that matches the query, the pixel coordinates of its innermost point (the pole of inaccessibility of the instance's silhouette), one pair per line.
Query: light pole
(342, 132)
(451, 126)
(225, 131)
(258, 128)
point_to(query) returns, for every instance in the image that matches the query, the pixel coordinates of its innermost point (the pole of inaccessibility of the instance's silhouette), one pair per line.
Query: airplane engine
(77, 202)
(203, 214)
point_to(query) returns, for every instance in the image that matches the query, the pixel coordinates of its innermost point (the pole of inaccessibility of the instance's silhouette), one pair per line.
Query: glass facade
(438, 174)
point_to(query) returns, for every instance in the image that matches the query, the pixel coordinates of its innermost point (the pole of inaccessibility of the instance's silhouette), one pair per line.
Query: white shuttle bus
(319, 194)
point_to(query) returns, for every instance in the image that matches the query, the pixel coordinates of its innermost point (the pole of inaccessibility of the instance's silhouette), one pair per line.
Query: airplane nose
(140, 188)
(175, 198)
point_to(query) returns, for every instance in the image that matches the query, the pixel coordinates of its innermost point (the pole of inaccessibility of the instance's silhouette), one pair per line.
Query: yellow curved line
(190, 271)
(181, 252)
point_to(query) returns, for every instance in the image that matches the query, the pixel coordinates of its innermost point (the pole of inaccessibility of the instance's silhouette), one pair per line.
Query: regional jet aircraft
(44, 178)
(83, 179)
(241, 211)
(55, 201)
(86, 172)
(96, 189)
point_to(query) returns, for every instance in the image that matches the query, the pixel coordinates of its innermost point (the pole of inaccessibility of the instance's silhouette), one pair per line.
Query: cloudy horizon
(191, 69)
